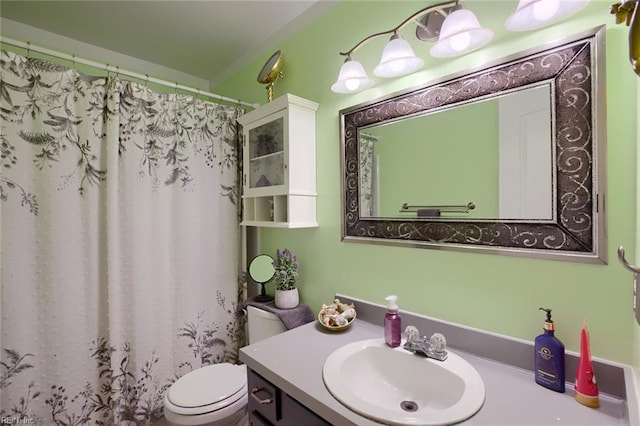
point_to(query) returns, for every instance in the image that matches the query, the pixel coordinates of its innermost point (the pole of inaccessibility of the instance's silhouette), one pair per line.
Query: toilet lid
(207, 385)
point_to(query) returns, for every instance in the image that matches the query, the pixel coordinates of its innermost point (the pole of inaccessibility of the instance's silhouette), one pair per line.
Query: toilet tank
(262, 324)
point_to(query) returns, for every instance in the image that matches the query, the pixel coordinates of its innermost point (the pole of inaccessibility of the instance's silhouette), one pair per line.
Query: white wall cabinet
(279, 164)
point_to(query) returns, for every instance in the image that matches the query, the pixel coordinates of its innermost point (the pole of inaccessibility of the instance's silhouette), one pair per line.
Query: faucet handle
(411, 333)
(438, 343)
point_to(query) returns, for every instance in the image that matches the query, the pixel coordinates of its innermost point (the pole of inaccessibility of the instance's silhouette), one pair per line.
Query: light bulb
(352, 83)
(351, 78)
(460, 42)
(544, 10)
(397, 59)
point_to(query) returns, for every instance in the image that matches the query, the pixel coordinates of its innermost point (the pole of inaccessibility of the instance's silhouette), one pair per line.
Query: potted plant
(286, 276)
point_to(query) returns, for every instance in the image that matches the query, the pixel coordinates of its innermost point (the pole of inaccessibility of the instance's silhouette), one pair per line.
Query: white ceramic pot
(287, 299)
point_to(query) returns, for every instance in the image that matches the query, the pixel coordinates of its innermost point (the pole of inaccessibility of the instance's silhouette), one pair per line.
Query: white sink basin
(397, 387)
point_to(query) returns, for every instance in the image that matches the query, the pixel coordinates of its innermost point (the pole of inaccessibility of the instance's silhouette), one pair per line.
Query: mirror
(271, 71)
(505, 172)
(261, 270)
(508, 159)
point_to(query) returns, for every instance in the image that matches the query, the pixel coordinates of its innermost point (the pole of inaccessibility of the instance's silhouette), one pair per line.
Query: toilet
(216, 395)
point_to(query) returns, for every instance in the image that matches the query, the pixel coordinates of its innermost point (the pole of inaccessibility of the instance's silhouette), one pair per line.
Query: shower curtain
(367, 178)
(119, 237)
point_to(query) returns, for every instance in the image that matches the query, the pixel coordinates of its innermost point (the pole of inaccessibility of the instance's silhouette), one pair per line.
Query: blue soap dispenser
(549, 357)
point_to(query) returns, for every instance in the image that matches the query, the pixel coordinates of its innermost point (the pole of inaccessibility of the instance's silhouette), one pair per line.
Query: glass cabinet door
(266, 154)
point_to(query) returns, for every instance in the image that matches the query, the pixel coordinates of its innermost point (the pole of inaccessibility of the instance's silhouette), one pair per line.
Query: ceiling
(207, 39)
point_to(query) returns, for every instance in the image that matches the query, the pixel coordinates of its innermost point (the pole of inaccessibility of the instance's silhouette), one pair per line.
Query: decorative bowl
(332, 317)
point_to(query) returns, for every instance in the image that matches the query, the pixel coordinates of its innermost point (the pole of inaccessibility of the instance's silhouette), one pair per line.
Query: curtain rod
(118, 70)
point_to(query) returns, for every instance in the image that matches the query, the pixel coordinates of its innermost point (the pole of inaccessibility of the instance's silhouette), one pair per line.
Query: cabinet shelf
(280, 211)
(262, 157)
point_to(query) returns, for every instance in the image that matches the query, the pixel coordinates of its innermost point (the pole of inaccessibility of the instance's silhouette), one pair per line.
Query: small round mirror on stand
(270, 72)
(261, 270)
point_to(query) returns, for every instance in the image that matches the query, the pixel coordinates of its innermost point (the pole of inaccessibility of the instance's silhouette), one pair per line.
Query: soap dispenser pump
(392, 323)
(549, 357)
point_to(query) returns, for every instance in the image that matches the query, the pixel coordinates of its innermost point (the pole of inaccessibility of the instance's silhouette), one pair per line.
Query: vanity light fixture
(455, 30)
(352, 78)
(534, 14)
(461, 33)
(397, 59)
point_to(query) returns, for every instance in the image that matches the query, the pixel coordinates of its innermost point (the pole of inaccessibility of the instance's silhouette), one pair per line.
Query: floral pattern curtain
(367, 178)
(119, 238)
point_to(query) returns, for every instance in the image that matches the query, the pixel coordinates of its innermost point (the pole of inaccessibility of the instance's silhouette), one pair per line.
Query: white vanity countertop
(293, 362)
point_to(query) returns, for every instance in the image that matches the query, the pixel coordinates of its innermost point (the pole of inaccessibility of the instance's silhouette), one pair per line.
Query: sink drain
(409, 406)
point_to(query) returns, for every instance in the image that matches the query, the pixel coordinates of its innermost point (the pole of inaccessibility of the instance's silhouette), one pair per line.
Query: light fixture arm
(440, 7)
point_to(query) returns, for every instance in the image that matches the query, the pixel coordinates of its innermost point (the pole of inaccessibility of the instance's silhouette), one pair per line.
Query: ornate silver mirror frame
(574, 68)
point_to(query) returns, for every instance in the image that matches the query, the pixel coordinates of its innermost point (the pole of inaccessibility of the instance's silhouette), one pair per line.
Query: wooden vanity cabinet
(270, 406)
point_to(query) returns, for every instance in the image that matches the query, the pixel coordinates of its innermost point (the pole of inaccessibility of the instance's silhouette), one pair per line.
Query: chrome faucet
(434, 347)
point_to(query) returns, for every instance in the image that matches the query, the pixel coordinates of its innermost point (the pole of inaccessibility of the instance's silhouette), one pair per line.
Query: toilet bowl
(216, 395)
(212, 395)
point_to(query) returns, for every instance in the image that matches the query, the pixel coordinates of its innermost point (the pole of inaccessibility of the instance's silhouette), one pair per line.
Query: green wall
(500, 294)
